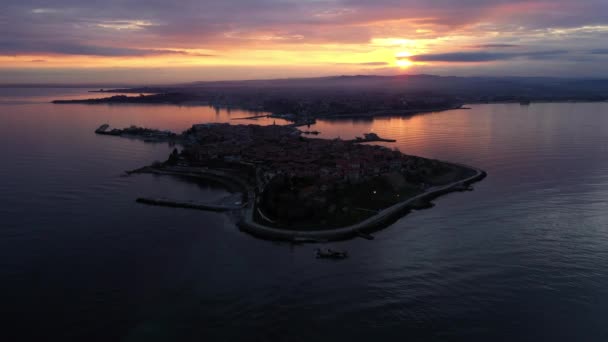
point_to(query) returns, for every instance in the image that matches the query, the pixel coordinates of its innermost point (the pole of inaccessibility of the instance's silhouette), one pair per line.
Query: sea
(524, 257)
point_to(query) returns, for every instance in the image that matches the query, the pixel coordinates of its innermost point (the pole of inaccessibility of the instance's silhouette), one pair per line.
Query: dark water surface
(522, 258)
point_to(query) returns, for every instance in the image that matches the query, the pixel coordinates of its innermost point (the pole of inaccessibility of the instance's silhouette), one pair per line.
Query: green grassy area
(340, 207)
(377, 194)
(344, 204)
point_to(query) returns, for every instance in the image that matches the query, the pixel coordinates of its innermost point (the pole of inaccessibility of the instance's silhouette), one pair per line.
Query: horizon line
(165, 84)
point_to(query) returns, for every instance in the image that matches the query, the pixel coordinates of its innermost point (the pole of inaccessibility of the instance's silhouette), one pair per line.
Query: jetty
(371, 137)
(146, 134)
(254, 117)
(189, 204)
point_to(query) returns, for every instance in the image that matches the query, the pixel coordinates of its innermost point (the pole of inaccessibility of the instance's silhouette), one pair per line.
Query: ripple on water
(526, 249)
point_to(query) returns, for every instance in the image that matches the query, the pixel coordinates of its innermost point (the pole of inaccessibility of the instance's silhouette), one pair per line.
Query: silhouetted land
(291, 184)
(166, 98)
(345, 96)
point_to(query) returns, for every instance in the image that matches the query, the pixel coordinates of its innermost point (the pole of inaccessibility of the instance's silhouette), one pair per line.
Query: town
(301, 184)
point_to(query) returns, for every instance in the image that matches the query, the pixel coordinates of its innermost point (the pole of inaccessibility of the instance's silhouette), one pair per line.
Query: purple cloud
(494, 46)
(139, 24)
(465, 57)
(528, 29)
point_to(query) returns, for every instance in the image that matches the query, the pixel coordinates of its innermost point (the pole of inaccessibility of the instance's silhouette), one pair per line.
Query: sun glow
(402, 59)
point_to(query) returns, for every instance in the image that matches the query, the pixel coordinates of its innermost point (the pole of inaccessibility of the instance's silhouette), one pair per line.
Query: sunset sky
(136, 41)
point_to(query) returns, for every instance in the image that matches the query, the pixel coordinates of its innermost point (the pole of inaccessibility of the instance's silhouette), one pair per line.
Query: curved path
(371, 224)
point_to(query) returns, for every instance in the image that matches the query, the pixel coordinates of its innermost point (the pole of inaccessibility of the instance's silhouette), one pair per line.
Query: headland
(297, 188)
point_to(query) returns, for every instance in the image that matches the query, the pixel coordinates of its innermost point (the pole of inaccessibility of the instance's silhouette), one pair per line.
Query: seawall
(374, 223)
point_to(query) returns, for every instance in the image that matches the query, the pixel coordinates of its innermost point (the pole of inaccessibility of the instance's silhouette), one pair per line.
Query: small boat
(331, 254)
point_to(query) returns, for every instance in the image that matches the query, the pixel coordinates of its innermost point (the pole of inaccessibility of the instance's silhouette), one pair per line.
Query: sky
(155, 42)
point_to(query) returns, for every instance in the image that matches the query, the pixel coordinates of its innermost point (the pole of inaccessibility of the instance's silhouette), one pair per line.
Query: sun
(404, 63)
(402, 59)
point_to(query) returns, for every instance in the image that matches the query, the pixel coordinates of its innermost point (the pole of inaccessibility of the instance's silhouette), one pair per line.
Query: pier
(255, 117)
(188, 205)
(146, 134)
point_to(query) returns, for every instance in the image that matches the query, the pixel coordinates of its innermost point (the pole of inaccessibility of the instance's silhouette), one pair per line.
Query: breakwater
(187, 205)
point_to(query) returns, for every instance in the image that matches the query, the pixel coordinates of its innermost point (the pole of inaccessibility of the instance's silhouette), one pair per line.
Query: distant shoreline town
(327, 107)
(358, 96)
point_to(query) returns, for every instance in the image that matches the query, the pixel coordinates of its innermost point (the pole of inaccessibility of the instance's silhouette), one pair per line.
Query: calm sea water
(522, 258)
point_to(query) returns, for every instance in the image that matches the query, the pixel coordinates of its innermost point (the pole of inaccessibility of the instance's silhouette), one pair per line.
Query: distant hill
(362, 95)
(468, 88)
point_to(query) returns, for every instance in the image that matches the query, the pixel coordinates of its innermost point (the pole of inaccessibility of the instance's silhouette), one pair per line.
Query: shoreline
(178, 99)
(391, 112)
(247, 207)
(246, 223)
(375, 223)
(231, 182)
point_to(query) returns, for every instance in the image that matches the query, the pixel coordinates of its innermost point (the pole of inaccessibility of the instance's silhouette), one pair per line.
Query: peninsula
(303, 189)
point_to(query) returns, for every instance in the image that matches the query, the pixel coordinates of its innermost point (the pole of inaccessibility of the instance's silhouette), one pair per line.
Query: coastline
(231, 182)
(246, 223)
(391, 112)
(247, 207)
(375, 223)
(188, 99)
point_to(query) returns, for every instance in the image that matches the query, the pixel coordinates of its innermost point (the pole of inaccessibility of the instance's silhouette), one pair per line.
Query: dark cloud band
(465, 57)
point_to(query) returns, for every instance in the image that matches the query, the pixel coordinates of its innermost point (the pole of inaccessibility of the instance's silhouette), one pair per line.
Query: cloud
(365, 63)
(206, 24)
(12, 47)
(93, 50)
(501, 29)
(44, 10)
(125, 24)
(599, 52)
(494, 46)
(467, 57)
